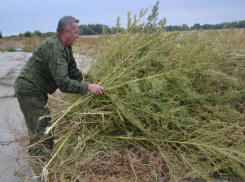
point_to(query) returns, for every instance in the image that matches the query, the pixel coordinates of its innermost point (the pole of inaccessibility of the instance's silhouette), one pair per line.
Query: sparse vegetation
(11, 49)
(37, 33)
(94, 29)
(197, 26)
(86, 45)
(27, 34)
(26, 43)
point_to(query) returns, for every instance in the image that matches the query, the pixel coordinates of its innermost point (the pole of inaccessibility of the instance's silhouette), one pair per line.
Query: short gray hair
(66, 23)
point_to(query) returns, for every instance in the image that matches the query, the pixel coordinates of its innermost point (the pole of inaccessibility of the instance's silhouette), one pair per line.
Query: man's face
(72, 35)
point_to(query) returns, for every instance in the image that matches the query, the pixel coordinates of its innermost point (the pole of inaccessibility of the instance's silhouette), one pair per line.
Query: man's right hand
(95, 89)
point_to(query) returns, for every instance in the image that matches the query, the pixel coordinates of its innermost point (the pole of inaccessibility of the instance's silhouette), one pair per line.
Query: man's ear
(66, 31)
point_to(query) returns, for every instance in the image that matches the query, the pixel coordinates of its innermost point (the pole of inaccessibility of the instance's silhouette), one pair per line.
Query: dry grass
(19, 132)
(26, 43)
(85, 45)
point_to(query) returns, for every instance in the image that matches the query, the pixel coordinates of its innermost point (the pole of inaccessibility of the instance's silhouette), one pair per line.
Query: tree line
(30, 34)
(94, 29)
(197, 26)
(36, 33)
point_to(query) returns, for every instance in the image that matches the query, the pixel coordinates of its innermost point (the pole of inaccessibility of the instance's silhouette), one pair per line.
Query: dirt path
(12, 161)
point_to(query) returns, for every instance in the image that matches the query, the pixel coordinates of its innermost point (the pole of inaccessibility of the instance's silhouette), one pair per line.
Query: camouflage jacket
(51, 66)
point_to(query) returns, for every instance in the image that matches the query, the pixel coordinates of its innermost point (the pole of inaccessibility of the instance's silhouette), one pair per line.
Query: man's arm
(58, 67)
(59, 70)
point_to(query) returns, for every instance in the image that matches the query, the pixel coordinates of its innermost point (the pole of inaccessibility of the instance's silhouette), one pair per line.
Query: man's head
(68, 30)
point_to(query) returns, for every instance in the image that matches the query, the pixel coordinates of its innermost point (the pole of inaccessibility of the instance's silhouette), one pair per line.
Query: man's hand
(95, 89)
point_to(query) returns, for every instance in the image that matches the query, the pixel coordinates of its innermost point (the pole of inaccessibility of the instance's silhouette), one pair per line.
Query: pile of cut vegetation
(172, 109)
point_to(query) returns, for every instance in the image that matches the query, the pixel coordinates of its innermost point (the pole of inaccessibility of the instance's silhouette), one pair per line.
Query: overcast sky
(18, 16)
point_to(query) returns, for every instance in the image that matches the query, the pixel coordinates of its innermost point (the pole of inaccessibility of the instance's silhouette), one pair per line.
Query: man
(51, 66)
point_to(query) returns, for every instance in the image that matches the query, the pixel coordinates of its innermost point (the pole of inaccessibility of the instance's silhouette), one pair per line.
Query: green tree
(196, 26)
(217, 26)
(207, 27)
(225, 25)
(234, 24)
(37, 33)
(1, 36)
(241, 24)
(27, 34)
(48, 34)
(184, 27)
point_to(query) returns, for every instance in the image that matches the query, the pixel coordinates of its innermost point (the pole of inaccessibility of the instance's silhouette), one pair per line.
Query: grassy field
(89, 45)
(27, 44)
(86, 45)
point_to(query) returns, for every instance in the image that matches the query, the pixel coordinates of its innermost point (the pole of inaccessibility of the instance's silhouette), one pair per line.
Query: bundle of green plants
(11, 49)
(172, 109)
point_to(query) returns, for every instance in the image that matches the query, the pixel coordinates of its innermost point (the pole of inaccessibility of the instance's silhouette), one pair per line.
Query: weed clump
(11, 49)
(172, 109)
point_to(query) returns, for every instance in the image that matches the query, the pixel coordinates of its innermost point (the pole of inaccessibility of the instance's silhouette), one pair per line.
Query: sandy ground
(12, 160)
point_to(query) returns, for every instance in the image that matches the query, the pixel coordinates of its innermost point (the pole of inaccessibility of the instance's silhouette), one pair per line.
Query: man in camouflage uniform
(51, 66)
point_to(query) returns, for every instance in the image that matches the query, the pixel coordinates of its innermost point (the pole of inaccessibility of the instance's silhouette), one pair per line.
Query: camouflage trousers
(33, 107)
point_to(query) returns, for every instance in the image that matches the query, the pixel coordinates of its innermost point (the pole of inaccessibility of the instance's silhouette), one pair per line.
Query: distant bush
(93, 29)
(38, 33)
(48, 34)
(197, 26)
(1, 36)
(28, 34)
(11, 49)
